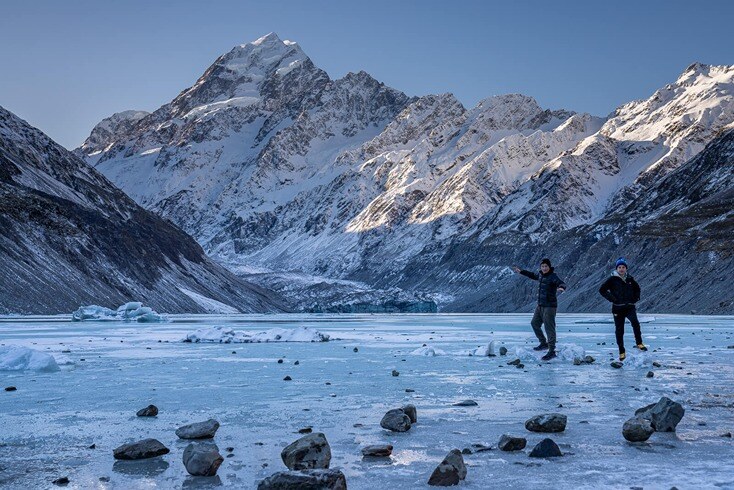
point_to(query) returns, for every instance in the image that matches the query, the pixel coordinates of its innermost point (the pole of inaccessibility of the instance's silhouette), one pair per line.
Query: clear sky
(65, 65)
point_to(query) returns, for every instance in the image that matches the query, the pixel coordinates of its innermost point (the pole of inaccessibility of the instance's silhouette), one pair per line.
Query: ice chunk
(93, 312)
(129, 312)
(569, 352)
(228, 335)
(485, 350)
(428, 352)
(17, 358)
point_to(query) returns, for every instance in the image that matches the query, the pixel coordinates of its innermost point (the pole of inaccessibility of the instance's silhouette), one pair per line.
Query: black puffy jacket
(547, 285)
(620, 291)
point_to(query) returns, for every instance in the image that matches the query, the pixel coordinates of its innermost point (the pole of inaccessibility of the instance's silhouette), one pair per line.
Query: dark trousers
(620, 314)
(545, 315)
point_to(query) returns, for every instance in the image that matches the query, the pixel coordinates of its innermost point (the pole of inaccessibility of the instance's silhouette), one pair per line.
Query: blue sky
(65, 65)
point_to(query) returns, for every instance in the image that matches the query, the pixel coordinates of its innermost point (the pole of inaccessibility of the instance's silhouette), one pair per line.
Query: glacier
(53, 418)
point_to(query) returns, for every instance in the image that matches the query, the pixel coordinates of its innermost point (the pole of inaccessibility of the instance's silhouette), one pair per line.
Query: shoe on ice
(550, 355)
(642, 346)
(541, 347)
(622, 356)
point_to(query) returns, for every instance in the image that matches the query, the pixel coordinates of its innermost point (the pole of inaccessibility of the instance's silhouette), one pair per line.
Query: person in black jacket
(545, 312)
(623, 292)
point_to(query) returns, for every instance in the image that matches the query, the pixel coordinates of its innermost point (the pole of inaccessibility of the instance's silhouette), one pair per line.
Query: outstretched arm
(525, 273)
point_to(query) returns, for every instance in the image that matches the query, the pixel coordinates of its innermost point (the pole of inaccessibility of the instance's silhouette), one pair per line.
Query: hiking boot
(642, 346)
(622, 356)
(542, 346)
(550, 355)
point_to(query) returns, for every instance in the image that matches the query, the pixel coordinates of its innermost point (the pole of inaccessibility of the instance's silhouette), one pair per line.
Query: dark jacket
(547, 285)
(620, 291)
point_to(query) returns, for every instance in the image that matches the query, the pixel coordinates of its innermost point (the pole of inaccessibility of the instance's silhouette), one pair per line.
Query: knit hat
(620, 261)
(545, 261)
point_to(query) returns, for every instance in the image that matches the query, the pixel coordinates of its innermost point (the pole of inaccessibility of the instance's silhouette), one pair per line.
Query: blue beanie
(620, 261)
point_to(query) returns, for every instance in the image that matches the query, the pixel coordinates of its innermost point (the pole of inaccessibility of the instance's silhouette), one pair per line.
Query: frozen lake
(115, 368)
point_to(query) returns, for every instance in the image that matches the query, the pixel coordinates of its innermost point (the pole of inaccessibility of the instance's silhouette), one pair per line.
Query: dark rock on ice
(637, 429)
(549, 422)
(377, 451)
(309, 452)
(146, 448)
(149, 411)
(450, 472)
(395, 420)
(509, 443)
(198, 430)
(546, 448)
(202, 459)
(305, 480)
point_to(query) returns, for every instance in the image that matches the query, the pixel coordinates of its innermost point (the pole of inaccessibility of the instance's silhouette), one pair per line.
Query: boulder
(509, 443)
(377, 451)
(149, 411)
(310, 452)
(664, 415)
(616, 364)
(450, 472)
(396, 420)
(202, 459)
(549, 422)
(147, 448)
(637, 429)
(503, 351)
(198, 430)
(305, 480)
(411, 412)
(546, 448)
(466, 403)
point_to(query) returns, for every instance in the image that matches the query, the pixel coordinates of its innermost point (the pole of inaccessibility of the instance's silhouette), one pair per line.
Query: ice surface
(227, 335)
(132, 312)
(15, 358)
(51, 420)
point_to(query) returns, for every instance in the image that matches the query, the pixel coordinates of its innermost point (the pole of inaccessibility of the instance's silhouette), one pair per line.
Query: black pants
(620, 314)
(545, 315)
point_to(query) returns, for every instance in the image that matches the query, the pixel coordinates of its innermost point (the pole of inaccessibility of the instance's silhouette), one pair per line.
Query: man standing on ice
(545, 312)
(623, 292)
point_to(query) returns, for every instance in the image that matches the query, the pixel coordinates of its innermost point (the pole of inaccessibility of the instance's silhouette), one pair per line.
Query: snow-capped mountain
(69, 237)
(272, 165)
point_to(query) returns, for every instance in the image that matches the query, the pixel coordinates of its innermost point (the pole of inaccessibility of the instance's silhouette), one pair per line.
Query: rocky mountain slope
(69, 237)
(273, 166)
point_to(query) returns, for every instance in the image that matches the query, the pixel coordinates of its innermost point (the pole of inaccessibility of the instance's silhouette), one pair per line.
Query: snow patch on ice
(226, 335)
(209, 304)
(16, 358)
(129, 312)
(428, 351)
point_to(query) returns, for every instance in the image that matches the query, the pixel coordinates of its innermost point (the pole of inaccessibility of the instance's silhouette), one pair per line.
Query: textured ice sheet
(52, 419)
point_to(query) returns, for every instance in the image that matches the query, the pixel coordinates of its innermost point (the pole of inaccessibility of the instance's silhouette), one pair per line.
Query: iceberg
(17, 358)
(129, 312)
(227, 335)
(428, 351)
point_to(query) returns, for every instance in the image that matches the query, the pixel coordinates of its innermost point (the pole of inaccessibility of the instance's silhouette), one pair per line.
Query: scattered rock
(107, 478)
(297, 363)
(305, 480)
(503, 351)
(637, 429)
(61, 481)
(93, 446)
(664, 415)
(549, 422)
(355, 349)
(305, 430)
(287, 378)
(650, 374)
(520, 366)
(411, 412)
(409, 390)
(149, 411)
(198, 430)
(450, 472)
(616, 364)
(202, 459)
(11, 388)
(307, 453)
(395, 373)
(577, 361)
(395, 420)
(546, 448)
(377, 451)
(509, 443)
(476, 448)
(726, 434)
(280, 361)
(513, 363)
(466, 403)
(656, 364)
(147, 448)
